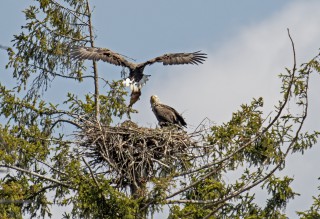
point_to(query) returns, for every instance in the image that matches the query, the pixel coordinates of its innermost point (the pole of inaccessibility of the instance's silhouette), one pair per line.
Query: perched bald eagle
(136, 77)
(166, 115)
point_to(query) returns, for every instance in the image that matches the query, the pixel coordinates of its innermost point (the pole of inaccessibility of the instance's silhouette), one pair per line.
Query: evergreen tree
(73, 154)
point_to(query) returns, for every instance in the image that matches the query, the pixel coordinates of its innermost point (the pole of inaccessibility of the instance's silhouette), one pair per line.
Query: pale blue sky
(247, 48)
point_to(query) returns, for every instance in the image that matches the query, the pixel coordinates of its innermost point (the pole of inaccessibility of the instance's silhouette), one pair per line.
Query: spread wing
(96, 54)
(179, 58)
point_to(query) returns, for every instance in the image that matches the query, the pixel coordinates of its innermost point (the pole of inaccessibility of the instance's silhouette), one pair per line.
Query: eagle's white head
(154, 100)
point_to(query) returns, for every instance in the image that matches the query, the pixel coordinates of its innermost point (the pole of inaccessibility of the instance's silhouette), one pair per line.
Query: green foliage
(50, 31)
(112, 105)
(280, 194)
(243, 126)
(12, 190)
(102, 202)
(39, 140)
(314, 211)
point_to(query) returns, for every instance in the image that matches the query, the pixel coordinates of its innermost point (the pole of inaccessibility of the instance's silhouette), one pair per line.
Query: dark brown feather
(166, 115)
(96, 54)
(179, 59)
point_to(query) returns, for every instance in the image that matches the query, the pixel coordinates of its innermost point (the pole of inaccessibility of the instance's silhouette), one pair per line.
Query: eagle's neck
(154, 105)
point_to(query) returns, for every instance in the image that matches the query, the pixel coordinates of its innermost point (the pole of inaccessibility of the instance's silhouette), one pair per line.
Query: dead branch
(37, 175)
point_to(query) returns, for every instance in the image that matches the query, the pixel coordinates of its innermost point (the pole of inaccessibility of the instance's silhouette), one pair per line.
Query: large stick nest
(132, 154)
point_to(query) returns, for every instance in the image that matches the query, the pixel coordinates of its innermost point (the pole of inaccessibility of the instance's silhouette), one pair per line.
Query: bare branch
(52, 168)
(66, 121)
(194, 183)
(95, 67)
(222, 160)
(91, 172)
(37, 175)
(69, 10)
(294, 53)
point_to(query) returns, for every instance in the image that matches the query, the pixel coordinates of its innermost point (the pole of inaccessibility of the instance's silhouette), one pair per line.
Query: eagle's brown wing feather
(179, 59)
(96, 54)
(167, 114)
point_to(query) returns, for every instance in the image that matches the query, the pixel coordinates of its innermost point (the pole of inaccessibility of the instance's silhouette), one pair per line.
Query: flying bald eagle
(136, 77)
(166, 115)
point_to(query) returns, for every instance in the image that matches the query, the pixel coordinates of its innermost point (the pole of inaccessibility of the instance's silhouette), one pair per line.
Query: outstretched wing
(179, 58)
(96, 54)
